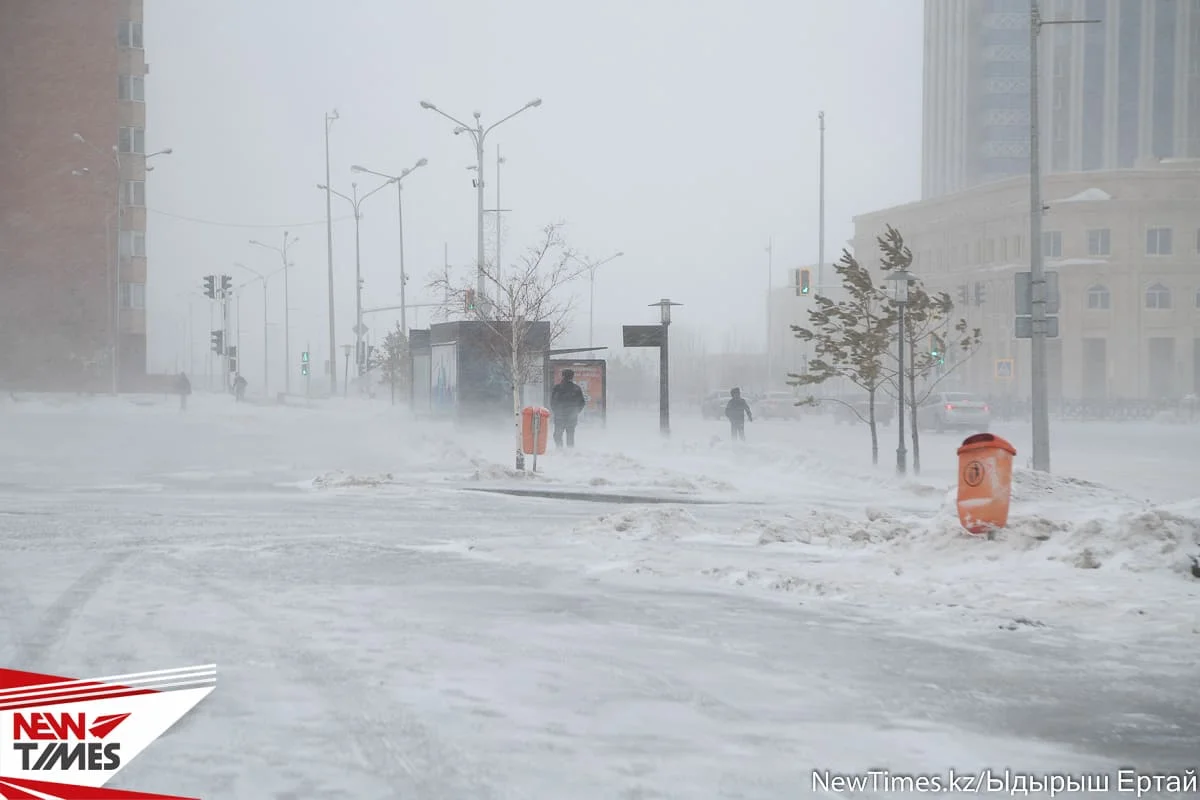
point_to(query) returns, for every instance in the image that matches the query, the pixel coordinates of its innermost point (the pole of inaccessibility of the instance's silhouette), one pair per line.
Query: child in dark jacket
(738, 411)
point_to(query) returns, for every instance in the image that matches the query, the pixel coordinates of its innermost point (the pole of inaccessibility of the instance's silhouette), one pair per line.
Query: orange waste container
(984, 482)
(535, 424)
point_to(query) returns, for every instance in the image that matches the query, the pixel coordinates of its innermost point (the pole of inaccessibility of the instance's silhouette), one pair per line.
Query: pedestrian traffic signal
(217, 340)
(210, 286)
(232, 365)
(304, 357)
(304, 369)
(804, 281)
(469, 300)
(962, 295)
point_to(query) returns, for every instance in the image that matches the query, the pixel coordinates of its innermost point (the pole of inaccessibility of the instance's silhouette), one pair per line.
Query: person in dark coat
(738, 411)
(239, 388)
(566, 404)
(184, 387)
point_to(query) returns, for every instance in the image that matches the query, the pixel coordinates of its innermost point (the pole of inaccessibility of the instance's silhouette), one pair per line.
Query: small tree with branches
(523, 311)
(851, 339)
(391, 359)
(926, 319)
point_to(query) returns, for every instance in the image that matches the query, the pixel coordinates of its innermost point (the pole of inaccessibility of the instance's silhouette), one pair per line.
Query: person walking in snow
(239, 388)
(566, 404)
(738, 411)
(184, 387)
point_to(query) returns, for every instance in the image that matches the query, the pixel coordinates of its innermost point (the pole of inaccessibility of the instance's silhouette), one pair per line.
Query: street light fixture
(478, 135)
(900, 280)
(356, 203)
(287, 327)
(114, 273)
(592, 291)
(398, 180)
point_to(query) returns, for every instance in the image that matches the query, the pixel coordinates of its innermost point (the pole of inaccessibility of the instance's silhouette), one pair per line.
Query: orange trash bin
(984, 482)
(535, 425)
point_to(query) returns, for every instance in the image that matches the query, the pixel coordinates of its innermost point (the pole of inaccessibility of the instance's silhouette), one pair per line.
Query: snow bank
(644, 524)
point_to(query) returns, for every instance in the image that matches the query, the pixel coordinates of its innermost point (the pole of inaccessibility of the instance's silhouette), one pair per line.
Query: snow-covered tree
(391, 359)
(851, 338)
(926, 321)
(524, 310)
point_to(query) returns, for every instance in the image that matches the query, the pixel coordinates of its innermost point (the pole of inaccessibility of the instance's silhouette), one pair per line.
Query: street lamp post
(900, 279)
(478, 135)
(114, 274)
(258, 276)
(592, 292)
(330, 118)
(287, 327)
(356, 203)
(1039, 379)
(398, 180)
(664, 373)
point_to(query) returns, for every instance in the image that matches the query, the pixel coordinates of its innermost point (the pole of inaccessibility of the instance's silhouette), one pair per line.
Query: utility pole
(1039, 378)
(821, 209)
(770, 270)
(329, 120)
(499, 215)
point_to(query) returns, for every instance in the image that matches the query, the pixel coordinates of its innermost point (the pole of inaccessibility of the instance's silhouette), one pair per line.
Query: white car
(955, 410)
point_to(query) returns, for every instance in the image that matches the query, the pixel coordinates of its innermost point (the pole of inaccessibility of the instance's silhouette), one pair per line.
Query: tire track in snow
(52, 624)
(389, 741)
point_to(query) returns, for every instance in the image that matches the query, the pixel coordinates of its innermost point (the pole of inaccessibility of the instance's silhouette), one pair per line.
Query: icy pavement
(382, 633)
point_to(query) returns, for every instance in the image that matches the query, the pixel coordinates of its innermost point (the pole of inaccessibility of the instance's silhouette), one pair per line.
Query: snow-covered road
(384, 632)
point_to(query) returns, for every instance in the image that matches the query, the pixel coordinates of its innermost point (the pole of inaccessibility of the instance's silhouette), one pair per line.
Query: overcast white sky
(683, 132)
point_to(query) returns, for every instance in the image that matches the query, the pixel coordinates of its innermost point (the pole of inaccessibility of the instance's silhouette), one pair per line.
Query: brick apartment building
(72, 163)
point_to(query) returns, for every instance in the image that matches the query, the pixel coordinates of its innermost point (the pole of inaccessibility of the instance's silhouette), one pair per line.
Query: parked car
(955, 410)
(852, 409)
(777, 405)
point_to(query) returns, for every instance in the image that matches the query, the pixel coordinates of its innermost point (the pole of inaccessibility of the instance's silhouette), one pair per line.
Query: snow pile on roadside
(643, 523)
(339, 479)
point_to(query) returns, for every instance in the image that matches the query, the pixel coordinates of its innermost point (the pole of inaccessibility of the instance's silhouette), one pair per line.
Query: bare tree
(523, 312)
(928, 331)
(851, 339)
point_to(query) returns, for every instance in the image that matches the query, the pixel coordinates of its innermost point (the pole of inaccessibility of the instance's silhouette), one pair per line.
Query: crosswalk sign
(1004, 369)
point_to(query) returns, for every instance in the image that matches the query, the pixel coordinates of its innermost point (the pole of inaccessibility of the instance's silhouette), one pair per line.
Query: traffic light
(217, 339)
(962, 295)
(304, 363)
(937, 349)
(210, 287)
(469, 300)
(232, 353)
(226, 284)
(980, 293)
(804, 281)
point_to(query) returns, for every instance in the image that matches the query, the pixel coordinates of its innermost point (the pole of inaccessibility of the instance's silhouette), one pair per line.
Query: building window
(1004, 248)
(133, 244)
(1052, 244)
(1017, 247)
(1099, 243)
(131, 87)
(133, 295)
(1198, 306)
(1158, 242)
(1098, 298)
(135, 193)
(1158, 297)
(132, 140)
(129, 34)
